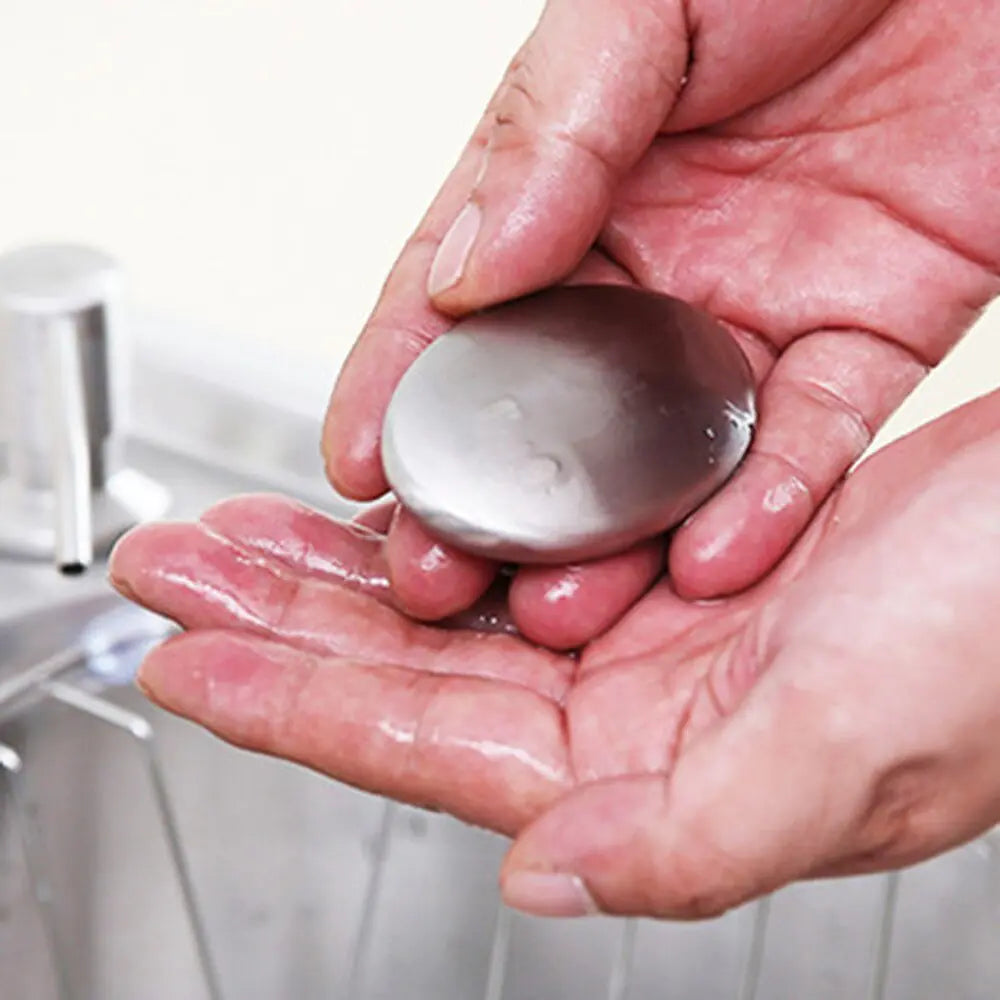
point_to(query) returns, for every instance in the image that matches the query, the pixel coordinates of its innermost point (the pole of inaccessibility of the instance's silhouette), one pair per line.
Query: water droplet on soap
(737, 417)
(504, 408)
(541, 472)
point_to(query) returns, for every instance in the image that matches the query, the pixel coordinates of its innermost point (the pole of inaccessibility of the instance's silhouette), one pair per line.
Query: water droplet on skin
(505, 408)
(783, 495)
(490, 615)
(563, 589)
(710, 433)
(541, 472)
(433, 559)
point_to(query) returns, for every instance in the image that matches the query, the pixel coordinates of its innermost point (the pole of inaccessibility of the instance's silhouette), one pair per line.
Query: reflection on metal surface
(883, 941)
(750, 979)
(309, 889)
(499, 953)
(139, 728)
(621, 969)
(21, 684)
(379, 851)
(569, 424)
(34, 859)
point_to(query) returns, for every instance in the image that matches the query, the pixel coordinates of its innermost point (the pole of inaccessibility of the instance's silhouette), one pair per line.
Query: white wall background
(257, 164)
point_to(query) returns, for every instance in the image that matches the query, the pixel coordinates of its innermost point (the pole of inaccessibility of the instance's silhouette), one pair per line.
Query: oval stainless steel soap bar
(569, 424)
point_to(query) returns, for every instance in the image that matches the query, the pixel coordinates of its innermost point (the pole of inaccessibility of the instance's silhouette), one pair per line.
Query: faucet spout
(71, 449)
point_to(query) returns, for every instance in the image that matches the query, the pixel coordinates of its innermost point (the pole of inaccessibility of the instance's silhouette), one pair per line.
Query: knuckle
(517, 109)
(288, 595)
(526, 115)
(790, 477)
(700, 878)
(702, 891)
(897, 814)
(425, 240)
(286, 724)
(841, 409)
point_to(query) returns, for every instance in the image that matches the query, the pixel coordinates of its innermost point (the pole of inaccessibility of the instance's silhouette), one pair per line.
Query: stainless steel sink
(310, 890)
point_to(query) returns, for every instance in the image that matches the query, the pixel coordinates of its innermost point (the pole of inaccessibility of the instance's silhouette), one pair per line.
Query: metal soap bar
(569, 424)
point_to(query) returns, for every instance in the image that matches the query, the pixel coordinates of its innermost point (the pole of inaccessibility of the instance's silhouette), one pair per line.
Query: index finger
(490, 753)
(402, 324)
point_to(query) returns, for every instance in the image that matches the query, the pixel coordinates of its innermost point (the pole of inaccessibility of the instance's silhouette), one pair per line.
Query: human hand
(842, 716)
(824, 182)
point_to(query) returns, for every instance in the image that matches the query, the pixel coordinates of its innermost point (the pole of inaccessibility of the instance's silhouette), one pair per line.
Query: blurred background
(257, 164)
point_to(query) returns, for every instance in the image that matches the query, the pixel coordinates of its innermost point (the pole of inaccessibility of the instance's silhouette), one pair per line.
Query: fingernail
(453, 253)
(548, 894)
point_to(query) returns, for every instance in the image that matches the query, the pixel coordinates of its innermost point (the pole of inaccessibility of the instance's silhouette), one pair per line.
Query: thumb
(579, 106)
(759, 802)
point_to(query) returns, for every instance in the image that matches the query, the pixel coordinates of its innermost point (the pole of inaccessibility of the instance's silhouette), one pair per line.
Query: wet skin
(826, 181)
(841, 716)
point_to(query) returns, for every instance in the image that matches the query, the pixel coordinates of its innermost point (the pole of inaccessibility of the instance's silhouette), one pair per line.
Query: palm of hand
(840, 229)
(843, 227)
(748, 706)
(844, 230)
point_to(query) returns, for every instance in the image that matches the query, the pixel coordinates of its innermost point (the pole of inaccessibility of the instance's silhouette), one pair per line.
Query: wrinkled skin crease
(836, 718)
(355, 556)
(843, 226)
